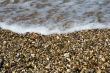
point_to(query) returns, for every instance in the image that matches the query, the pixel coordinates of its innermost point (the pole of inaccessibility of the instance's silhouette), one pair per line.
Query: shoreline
(85, 51)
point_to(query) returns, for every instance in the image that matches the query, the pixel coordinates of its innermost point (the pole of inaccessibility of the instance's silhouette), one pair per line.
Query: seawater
(54, 16)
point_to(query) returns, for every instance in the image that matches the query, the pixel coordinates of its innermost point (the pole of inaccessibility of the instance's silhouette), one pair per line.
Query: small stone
(66, 55)
(48, 66)
(13, 72)
(68, 70)
(33, 55)
(99, 70)
(33, 42)
(6, 65)
(68, 59)
(1, 63)
(102, 58)
(4, 42)
(47, 58)
(68, 65)
(57, 37)
(18, 54)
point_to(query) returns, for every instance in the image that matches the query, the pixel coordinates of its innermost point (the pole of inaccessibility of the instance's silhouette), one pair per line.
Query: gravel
(86, 51)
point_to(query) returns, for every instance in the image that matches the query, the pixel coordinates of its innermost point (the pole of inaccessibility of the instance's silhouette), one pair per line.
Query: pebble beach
(86, 51)
(54, 36)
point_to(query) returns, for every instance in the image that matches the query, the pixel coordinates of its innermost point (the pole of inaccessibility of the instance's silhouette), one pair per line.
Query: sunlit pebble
(13, 72)
(4, 42)
(91, 52)
(68, 59)
(99, 70)
(33, 55)
(33, 42)
(66, 55)
(57, 37)
(23, 70)
(68, 70)
(107, 40)
(7, 65)
(17, 55)
(47, 58)
(68, 41)
(68, 65)
(102, 58)
(45, 46)
(35, 67)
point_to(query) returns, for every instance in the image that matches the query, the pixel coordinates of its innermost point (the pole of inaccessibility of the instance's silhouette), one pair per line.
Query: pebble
(4, 42)
(33, 55)
(48, 66)
(1, 63)
(99, 70)
(68, 70)
(102, 58)
(66, 55)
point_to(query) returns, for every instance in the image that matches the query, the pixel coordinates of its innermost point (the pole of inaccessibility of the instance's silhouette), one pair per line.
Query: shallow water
(54, 16)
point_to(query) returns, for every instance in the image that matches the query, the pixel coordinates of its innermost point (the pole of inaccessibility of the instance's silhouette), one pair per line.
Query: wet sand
(79, 52)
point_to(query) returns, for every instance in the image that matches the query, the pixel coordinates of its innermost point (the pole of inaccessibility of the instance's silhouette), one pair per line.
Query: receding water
(54, 16)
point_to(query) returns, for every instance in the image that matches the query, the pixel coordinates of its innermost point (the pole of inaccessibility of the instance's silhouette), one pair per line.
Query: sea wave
(54, 16)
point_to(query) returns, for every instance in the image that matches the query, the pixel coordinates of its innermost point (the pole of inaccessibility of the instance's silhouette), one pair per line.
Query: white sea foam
(46, 31)
(54, 16)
